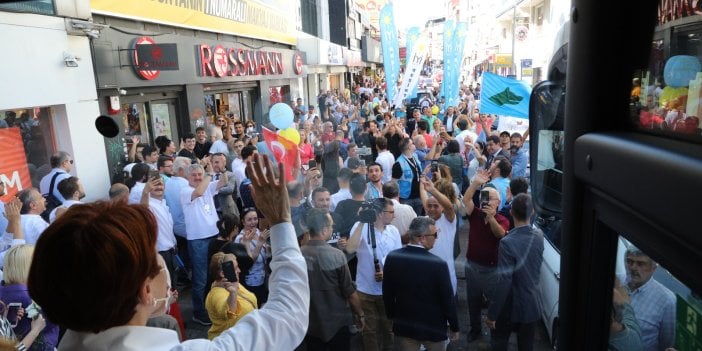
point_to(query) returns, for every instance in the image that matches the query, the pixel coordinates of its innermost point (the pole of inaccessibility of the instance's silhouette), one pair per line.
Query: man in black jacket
(417, 292)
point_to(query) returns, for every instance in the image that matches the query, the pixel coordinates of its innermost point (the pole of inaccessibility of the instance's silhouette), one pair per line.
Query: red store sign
(219, 61)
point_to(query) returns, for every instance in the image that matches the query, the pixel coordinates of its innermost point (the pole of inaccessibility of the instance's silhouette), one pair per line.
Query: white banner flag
(413, 69)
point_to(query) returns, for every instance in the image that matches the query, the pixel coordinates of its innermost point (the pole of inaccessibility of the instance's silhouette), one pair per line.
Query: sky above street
(410, 13)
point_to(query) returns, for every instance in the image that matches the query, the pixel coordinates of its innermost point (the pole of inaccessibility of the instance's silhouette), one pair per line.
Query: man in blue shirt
(653, 303)
(518, 155)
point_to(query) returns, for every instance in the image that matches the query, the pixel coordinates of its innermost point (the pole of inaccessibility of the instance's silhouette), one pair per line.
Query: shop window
(275, 95)
(237, 102)
(43, 7)
(35, 128)
(134, 119)
(666, 96)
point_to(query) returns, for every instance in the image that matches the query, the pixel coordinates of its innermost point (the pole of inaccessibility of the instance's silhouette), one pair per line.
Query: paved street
(194, 330)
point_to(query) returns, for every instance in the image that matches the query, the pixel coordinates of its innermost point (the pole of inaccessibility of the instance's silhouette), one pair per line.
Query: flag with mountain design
(504, 96)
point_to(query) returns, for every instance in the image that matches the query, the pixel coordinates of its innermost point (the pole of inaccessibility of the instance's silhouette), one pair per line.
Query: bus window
(663, 310)
(666, 96)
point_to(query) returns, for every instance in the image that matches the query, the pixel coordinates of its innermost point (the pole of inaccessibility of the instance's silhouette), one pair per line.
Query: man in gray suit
(517, 305)
(224, 200)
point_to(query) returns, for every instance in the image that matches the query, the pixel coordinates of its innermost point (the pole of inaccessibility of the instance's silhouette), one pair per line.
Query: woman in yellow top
(227, 302)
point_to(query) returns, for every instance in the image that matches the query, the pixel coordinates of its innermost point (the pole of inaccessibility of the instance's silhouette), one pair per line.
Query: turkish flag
(283, 150)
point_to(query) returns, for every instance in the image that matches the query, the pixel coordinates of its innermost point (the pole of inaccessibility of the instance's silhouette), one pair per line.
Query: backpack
(51, 201)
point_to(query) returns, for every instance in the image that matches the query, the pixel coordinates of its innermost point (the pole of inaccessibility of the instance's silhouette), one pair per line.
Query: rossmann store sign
(222, 61)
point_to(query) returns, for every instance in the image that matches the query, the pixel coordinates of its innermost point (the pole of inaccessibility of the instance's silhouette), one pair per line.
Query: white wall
(32, 66)
(34, 75)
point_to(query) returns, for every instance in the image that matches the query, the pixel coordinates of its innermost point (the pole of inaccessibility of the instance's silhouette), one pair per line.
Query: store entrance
(240, 103)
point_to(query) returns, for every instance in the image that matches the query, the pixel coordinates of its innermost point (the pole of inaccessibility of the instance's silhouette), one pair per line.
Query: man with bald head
(119, 192)
(487, 227)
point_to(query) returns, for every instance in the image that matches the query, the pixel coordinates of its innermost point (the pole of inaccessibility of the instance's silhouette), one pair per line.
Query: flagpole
(514, 24)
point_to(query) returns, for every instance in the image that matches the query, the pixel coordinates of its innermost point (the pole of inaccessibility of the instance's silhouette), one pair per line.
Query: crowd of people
(376, 206)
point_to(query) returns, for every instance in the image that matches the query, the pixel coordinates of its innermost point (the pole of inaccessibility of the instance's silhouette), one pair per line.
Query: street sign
(688, 326)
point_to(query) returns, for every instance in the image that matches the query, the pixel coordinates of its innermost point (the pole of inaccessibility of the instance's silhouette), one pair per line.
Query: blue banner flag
(459, 40)
(391, 49)
(448, 56)
(412, 37)
(504, 96)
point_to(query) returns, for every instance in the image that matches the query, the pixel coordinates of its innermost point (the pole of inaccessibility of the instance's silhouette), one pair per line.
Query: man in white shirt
(344, 193)
(385, 158)
(465, 132)
(72, 190)
(150, 156)
(439, 208)
(201, 227)
(153, 197)
(404, 214)
(62, 164)
(238, 168)
(33, 204)
(140, 173)
(377, 333)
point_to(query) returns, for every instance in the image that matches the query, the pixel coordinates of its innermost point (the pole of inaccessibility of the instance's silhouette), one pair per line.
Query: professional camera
(369, 211)
(364, 151)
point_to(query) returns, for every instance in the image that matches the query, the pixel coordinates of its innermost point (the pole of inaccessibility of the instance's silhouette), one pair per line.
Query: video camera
(369, 211)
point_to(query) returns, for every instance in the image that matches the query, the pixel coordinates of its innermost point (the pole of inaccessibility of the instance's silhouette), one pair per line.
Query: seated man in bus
(653, 303)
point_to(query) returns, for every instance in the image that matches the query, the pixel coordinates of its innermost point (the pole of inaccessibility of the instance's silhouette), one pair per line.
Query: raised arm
(14, 226)
(355, 238)
(480, 178)
(206, 178)
(441, 198)
(283, 320)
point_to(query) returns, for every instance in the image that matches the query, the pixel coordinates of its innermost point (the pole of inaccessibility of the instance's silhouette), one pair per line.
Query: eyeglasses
(390, 212)
(71, 161)
(435, 235)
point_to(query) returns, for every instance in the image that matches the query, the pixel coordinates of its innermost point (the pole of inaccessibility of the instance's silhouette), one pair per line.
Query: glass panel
(134, 118)
(546, 133)
(210, 108)
(275, 95)
(666, 96)
(667, 313)
(43, 7)
(37, 136)
(234, 102)
(248, 106)
(161, 120)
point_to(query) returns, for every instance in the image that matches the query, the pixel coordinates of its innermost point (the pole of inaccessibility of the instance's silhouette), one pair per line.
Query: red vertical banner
(13, 163)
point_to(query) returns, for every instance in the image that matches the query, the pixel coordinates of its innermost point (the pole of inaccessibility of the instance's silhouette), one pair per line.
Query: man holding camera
(487, 227)
(372, 238)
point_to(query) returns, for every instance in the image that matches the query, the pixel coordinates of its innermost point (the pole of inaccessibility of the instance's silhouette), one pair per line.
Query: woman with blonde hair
(16, 265)
(306, 150)
(228, 301)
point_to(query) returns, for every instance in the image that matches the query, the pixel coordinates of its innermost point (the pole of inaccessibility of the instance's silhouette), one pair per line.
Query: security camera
(70, 60)
(92, 33)
(122, 92)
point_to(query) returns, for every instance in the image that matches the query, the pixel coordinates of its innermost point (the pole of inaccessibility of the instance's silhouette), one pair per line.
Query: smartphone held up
(229, 271)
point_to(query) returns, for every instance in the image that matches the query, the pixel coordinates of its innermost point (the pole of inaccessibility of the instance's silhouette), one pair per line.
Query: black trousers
(341, 341)
(504, 327)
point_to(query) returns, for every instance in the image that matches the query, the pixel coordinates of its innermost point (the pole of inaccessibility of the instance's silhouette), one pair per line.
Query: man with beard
(518, 155)
(375, 181)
